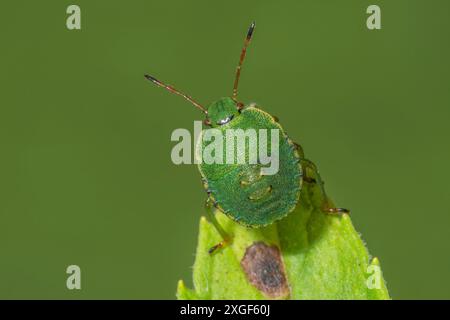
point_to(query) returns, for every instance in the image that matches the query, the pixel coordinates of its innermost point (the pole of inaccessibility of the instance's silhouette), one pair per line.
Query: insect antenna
(173, 90)
(241, 59)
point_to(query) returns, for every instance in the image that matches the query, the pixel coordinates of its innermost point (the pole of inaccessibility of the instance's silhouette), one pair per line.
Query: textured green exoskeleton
(240, 190)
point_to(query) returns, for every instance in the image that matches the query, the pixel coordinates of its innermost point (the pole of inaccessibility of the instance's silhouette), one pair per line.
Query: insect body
(240, 190)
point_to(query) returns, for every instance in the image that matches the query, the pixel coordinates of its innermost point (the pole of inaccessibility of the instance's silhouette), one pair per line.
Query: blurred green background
(85, 170)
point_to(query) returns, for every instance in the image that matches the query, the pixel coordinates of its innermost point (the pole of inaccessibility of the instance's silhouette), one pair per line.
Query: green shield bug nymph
(240, 189)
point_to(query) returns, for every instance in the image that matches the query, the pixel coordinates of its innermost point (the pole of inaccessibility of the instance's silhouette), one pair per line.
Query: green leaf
(321, 257)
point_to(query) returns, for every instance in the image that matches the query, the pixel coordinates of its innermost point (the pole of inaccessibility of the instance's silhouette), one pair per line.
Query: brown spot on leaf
(265, 270)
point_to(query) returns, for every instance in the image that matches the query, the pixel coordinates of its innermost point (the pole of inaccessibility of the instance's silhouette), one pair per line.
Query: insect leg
(326, 205)
(226, 239)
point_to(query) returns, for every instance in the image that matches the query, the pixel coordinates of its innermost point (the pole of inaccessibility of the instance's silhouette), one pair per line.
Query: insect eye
(226, 120)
